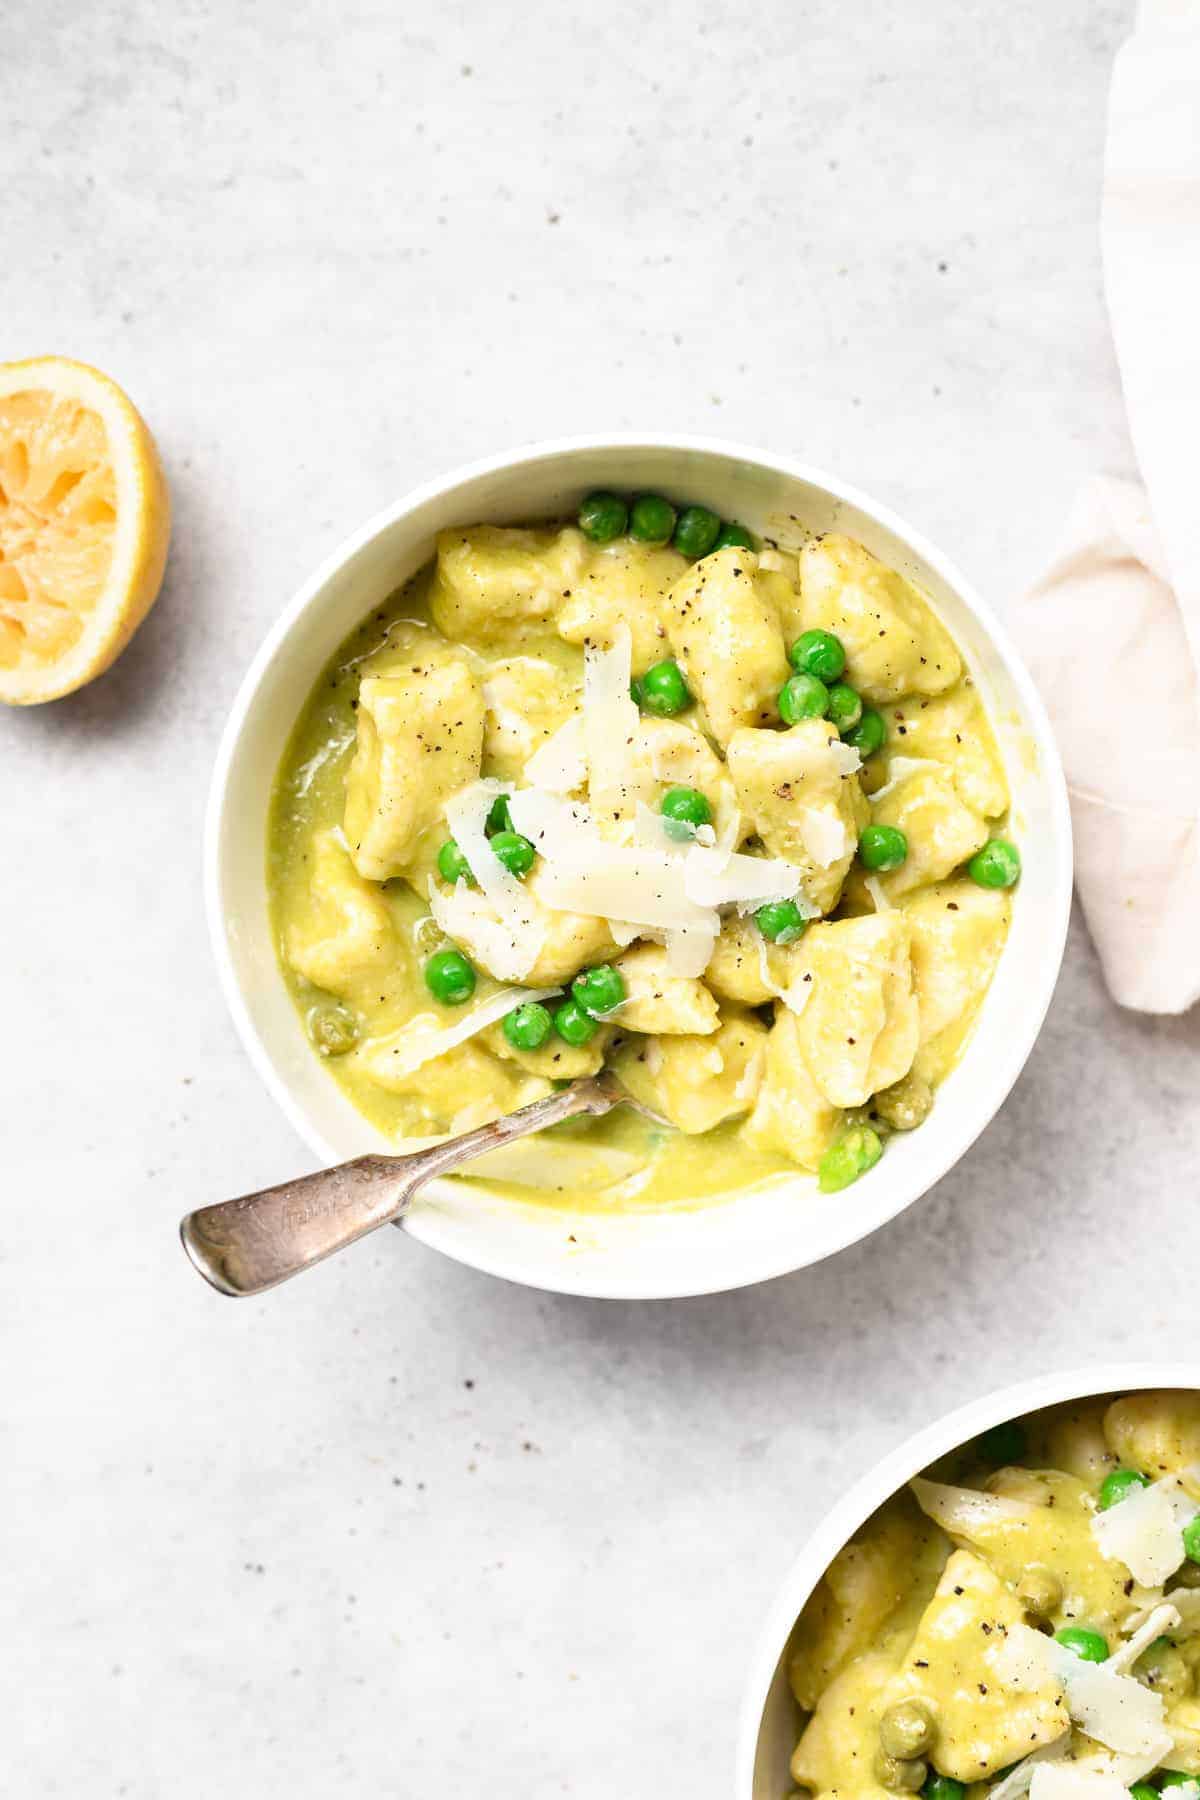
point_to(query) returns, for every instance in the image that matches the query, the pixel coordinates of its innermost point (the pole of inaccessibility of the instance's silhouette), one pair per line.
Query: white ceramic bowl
(688, 1251)
(767, 1728)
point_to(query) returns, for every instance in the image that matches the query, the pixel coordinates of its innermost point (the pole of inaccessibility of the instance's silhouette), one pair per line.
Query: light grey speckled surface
(399, 1529)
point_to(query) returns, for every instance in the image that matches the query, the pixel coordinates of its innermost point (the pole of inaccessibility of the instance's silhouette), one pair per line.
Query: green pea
(818, 653)
(802, 697)
(733, 536)
(684, 810)
(602, 517)
(848, 1157)
(845, 707)
(869, 735)
(1088, 1646)
(651, 519)
(515, 852)
(1120, 1483)
(635, 692)
(696, 531)
(1191, 1540)
(1143, 1790)
(527, 1027)
(1039, 1591)
(943, 1787)
(997, 865)
(453, 865)
(450, 977)
(1004, 1443)
(781, 921)
(882, 847)
(1175, 1778)
(664, 691)
(572, 1024)
(498, 818)
(333, 1030)
(599, 990)
(907, 1729)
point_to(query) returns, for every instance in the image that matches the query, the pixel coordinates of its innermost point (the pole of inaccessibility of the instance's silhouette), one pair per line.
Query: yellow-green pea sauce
(673, 1169)
(309, 797)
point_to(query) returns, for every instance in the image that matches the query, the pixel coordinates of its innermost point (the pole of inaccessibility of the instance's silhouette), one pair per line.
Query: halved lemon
(85, 519)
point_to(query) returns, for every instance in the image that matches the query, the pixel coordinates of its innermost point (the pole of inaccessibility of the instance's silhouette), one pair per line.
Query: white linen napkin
(1111, 630)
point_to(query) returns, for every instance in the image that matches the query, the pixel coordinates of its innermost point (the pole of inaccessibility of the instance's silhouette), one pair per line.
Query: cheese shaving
(610, 719)
(1069, 1781)
(646, 887)
(1185, 1601)
(690, 948)
(823, 835)
(513, 907)
(1108, 1706)
(798, 992)
(900, 768)
(875, 888)
(1161, 1619)
(1020, 1777)
(1144, 1531)
(557, 828)
(560, 764)
(966, 1511)
(712, 878)
(467, 916)
(420, 1041)
(846, 759)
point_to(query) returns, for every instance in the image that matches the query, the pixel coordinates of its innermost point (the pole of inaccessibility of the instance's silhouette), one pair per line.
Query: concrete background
(399, 1529)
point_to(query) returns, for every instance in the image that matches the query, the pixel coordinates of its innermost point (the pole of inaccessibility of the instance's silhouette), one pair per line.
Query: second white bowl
(767, 1731)
(690, 1250)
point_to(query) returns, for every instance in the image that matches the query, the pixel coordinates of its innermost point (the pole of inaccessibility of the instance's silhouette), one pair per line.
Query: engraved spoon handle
(245, 1246)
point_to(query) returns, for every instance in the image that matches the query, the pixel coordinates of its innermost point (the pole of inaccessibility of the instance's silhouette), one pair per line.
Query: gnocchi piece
(798, 791)
(697, 1081)
(659, 1002)
(839, 1747)
(1042, 1519)
(1071, 1437)
(982, 1725)
(344, 933)
(623, 583)
(893, 641)
(1157, 1431)
(958, 932)
(495, 582)
(1183, 1722)
(942, 833)
(411, 647)
(862, 1588)
(572, 941)
(791, 1117)
(858, 1030)
(525, 701)
(742, 961)
(420, 739)
(725, 634)
(952, 728)
(465, 1087)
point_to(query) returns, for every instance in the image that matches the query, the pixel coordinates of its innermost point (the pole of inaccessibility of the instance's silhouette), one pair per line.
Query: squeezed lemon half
(85, 519)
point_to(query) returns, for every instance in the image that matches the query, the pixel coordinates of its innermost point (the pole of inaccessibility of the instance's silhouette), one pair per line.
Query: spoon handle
(245, 1246)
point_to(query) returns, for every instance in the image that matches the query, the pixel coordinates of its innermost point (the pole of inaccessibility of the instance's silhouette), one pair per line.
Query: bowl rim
(860, 1223)
(885, 1478)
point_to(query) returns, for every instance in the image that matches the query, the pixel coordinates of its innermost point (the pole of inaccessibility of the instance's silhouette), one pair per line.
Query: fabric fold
(1111, 629)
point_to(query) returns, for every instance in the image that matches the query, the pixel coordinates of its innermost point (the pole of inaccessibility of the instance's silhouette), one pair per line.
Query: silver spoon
(246, 1246)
